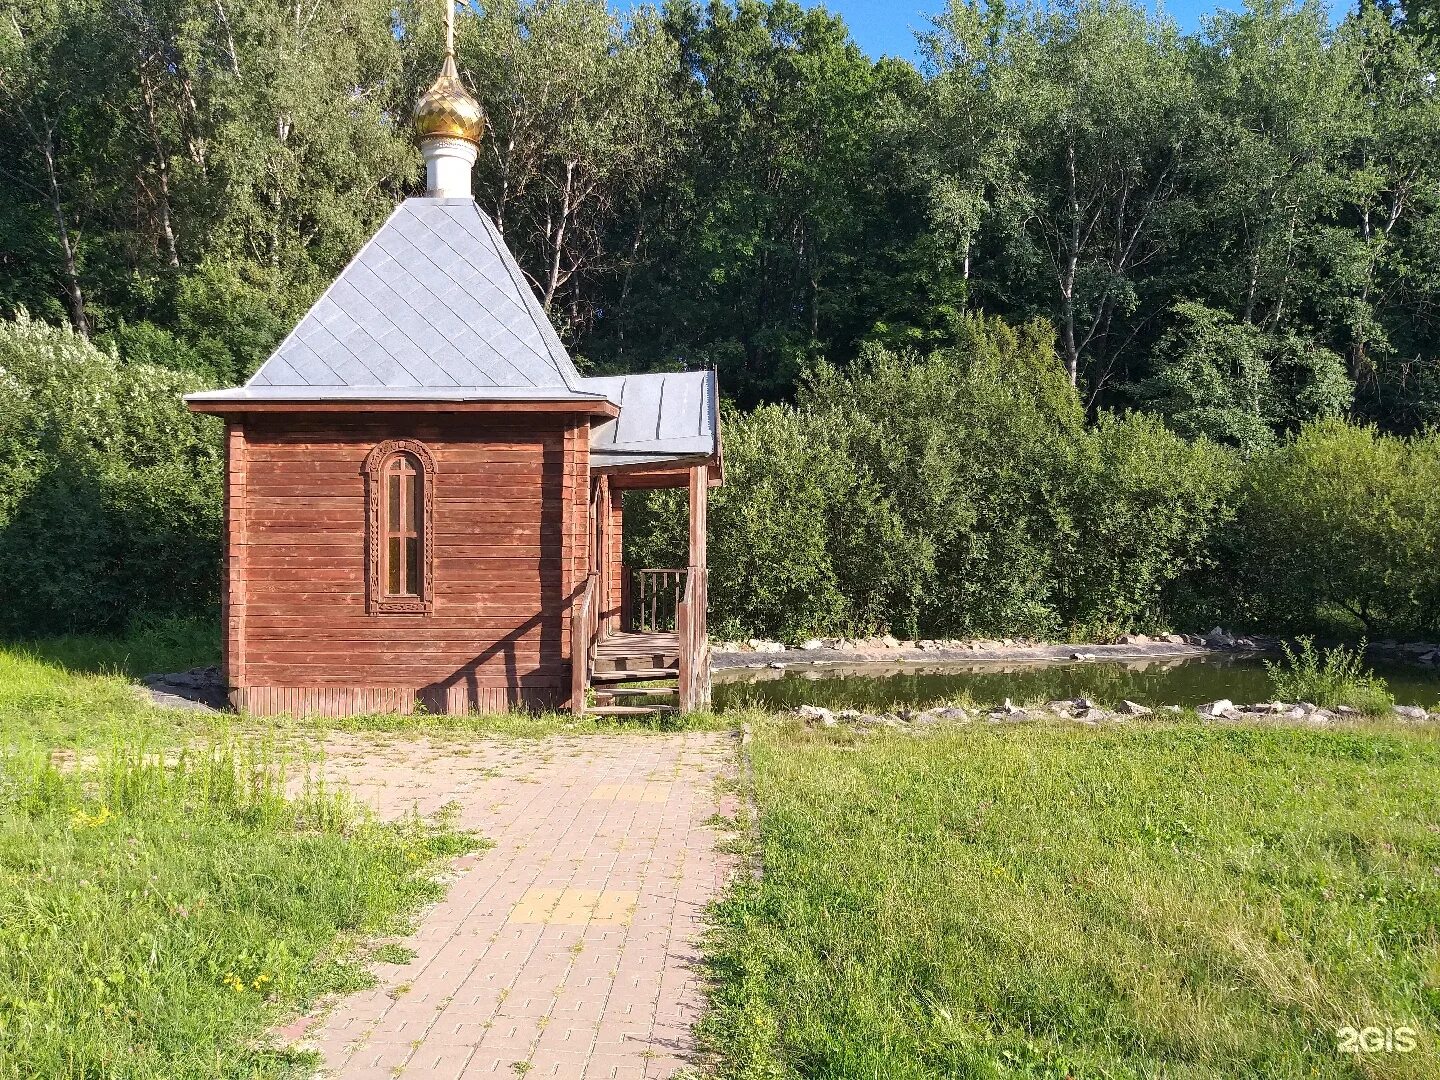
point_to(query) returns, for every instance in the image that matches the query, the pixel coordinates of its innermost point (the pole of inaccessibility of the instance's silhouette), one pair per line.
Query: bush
(952, 493)
(1147, 504)
(109, 488)
(1336, 530)
(1329, 678)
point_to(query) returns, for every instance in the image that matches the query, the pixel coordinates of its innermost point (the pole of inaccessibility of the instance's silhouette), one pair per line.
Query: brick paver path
(568, 949)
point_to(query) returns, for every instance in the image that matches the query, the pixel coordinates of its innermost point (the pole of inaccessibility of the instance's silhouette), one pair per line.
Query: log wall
(510, 553)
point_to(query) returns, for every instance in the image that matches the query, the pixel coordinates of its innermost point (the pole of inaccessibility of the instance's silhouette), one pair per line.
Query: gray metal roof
(434, 304)
(662, 417)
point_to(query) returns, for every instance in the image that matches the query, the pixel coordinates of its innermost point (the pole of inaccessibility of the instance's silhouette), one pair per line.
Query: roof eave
(225, 406)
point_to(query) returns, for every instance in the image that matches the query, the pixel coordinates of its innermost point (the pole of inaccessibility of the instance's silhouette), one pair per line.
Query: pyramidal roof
(433, 307)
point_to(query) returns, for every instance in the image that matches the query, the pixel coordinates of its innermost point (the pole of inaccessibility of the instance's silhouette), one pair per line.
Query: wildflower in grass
(81, 820)
(234, 982)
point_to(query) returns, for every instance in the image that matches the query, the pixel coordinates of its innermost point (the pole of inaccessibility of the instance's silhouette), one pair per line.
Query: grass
(1330, 678)
(164, 899)
(157, 917)
(80, 692)
(151, 646)
(1153, 900)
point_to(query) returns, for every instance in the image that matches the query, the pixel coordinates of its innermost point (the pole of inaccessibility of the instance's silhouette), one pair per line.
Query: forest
(1057, 320)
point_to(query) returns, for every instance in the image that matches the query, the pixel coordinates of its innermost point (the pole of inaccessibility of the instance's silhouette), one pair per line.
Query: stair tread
(640, 691)
(629, 710)
(634, 675)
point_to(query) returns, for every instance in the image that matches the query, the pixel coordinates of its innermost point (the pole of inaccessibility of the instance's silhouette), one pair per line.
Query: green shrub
(109, 488)
(1329, 678)
(1336, 530)
(957, 492)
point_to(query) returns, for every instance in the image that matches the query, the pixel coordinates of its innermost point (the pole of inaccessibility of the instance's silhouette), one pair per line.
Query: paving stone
(572, 944)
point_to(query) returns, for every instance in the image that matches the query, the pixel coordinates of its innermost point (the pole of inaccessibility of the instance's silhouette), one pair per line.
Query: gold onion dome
(448, 110)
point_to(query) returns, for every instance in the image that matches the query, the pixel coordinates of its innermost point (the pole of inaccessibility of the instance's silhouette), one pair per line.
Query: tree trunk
(1068, 274)
(70, 275)
(229, 39)
(162, 165)
(552, 282)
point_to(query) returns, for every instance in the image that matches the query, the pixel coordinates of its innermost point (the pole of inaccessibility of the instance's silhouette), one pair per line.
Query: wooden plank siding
(511, 551)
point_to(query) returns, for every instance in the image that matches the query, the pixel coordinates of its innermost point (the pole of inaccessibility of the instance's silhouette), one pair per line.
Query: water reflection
(1185, 681)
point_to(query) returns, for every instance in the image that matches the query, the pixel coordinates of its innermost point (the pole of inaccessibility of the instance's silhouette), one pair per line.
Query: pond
(1187, 681)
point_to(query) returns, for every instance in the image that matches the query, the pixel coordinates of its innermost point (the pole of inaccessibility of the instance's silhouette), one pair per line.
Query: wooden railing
(655, 599)
(584, 636)
(690, 628)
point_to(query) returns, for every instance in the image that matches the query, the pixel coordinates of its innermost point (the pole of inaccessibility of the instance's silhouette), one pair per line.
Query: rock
(1018, 716)
(762, 646)
(1084, 703)
(953, 713)
(1077, 656)
(1271, 707)
(1171, 709)
(816, 715)
(1411, 712)
(776, 665)
(1432, 657)
(1010, 708)
(1131, 708)
(1133, 639)
(1216, 709)
(1346, 710)
(1174, 639)
(811, 644)
(1091, 716)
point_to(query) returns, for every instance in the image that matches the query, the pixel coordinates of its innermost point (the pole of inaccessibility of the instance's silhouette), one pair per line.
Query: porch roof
(664, 417)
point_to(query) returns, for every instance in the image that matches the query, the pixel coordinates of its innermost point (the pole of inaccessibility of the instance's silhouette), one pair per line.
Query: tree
(1074, 127)
(581, 124)
(1224, 379)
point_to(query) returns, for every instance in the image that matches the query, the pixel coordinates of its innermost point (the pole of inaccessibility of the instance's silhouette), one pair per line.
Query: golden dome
(447, 109)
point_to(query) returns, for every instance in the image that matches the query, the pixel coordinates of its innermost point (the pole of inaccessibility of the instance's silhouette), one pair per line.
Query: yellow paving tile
(575, 907)
(615, 906)
(535, 906)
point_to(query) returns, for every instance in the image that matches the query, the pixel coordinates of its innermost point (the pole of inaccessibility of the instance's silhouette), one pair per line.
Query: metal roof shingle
(433, 300)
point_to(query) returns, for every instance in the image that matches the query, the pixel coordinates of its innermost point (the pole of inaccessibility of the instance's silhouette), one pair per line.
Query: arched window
(400, 483)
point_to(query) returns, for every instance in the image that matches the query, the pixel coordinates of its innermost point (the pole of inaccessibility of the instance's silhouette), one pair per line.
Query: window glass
(400, 517)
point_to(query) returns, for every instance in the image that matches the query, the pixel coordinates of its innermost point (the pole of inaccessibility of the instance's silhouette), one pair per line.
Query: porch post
(695, 680)
(699, 506)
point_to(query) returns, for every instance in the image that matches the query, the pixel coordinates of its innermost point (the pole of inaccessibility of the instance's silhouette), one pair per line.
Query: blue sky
(886, 27)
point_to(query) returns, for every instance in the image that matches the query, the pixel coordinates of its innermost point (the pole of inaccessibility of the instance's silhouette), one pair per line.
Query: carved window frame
(377, 602)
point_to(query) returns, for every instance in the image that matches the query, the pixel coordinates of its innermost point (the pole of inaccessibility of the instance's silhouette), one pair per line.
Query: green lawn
(164, 901)
(1173, 901)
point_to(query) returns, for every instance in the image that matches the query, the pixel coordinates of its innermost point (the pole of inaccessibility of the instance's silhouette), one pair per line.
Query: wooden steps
(638, 675)
(629, 710)
(629, 658)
